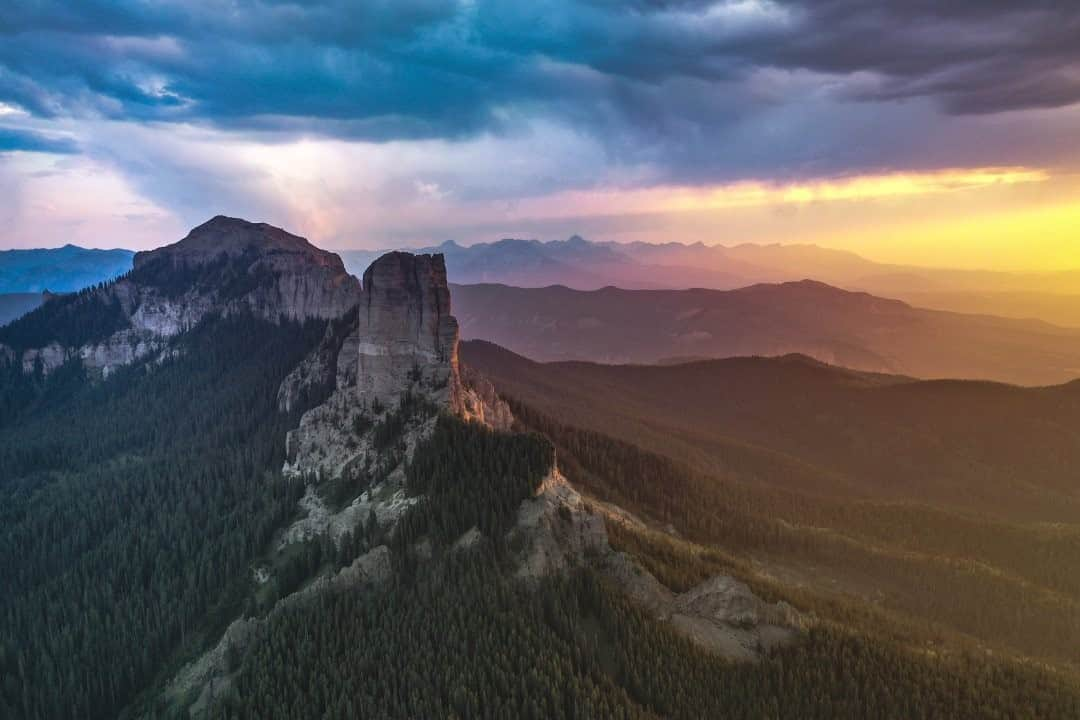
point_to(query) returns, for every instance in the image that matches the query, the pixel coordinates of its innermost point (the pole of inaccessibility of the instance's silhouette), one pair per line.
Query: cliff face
(407, 334)
(401, 343)
(228, 265)
(225, 266)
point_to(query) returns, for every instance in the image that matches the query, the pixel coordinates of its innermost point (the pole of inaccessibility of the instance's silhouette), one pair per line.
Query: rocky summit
(224, 266)
(254, 266)
(399, 345)
(407, 334)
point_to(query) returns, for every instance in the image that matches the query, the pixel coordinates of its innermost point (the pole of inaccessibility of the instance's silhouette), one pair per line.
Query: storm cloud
(19, 139)
(447, 68)
(452, 101)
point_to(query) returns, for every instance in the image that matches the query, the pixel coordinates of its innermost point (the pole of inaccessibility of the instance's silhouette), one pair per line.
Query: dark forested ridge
(965, 530)
(131, 509)
(15, 305)
(457, 637)
(463, 641)
(792, 422)
(70, 320)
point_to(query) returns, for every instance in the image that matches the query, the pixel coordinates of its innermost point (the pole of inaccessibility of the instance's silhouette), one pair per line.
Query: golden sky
(926, 133)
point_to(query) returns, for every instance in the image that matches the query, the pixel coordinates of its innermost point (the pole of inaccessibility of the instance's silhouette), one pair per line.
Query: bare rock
(402, 339)
(407, 334)
(481, 402)
(555, 531)
(225, 266)
(253, 266)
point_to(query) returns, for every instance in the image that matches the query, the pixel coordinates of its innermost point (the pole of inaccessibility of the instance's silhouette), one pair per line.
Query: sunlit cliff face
(949, 136)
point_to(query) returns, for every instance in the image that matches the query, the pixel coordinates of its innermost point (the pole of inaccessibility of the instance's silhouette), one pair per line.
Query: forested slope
(945, 534)
(456, 636)
(131, 510)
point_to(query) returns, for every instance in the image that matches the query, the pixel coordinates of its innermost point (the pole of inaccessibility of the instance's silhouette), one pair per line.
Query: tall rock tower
(401, 341)
(407, 338)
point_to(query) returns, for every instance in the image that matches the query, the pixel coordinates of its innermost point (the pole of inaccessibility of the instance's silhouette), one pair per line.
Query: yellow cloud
(862, 187)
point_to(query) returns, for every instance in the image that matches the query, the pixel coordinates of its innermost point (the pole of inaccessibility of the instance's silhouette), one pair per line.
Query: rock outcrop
(245, 266)
(481, 402)
(400, 343)
(557, 529)
(224, 266)
(407, 334)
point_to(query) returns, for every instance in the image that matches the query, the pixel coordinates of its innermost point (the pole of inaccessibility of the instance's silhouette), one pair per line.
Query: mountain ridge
(841, 327)
(224, 266)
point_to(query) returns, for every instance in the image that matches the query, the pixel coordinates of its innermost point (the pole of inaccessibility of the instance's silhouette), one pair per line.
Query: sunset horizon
(850, 126)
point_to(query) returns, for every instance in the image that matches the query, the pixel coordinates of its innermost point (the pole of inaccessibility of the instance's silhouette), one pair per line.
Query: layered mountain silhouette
(583, 265)
(851, 329)
(64, 269)
(580, 264)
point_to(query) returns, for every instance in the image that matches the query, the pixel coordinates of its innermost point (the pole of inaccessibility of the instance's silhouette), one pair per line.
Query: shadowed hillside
(63, 269)
(845, 328)
(951, 507)
(15, 305)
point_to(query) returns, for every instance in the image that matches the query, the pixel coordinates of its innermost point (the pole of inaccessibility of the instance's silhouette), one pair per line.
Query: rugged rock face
(558, 529)
(407, 334)
(401, 342)
(480, 402)
(225, 265)
(245, 265)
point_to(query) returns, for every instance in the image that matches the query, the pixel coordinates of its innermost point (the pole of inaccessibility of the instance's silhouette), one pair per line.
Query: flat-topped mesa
(407, 336)
(225, 266)
(253, 266)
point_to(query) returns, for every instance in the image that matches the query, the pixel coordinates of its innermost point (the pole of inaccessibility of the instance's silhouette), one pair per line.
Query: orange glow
(748, 194)
(1006, 218)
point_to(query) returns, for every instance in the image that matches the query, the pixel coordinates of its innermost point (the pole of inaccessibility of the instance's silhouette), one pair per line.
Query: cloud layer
(442, 68)
(495, 101)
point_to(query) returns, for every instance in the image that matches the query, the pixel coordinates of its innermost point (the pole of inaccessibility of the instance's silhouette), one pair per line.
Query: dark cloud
(19, 139)
(652, 79)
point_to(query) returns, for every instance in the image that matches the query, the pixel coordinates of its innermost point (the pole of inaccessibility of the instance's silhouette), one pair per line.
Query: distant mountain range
(64, 269)
(823, 428)
(15, 305)
(583, 265)
(845, 328)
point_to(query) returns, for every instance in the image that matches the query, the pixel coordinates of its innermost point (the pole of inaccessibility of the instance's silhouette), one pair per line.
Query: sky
(910, 131)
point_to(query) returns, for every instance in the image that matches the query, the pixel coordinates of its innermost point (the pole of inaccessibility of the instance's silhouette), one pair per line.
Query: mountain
(296, 501)
(859, 488)
(15, 305)
(584, 265)
(852, 329)
(575, 262)
(64, 269)
(1058, 308)
(223, 266)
